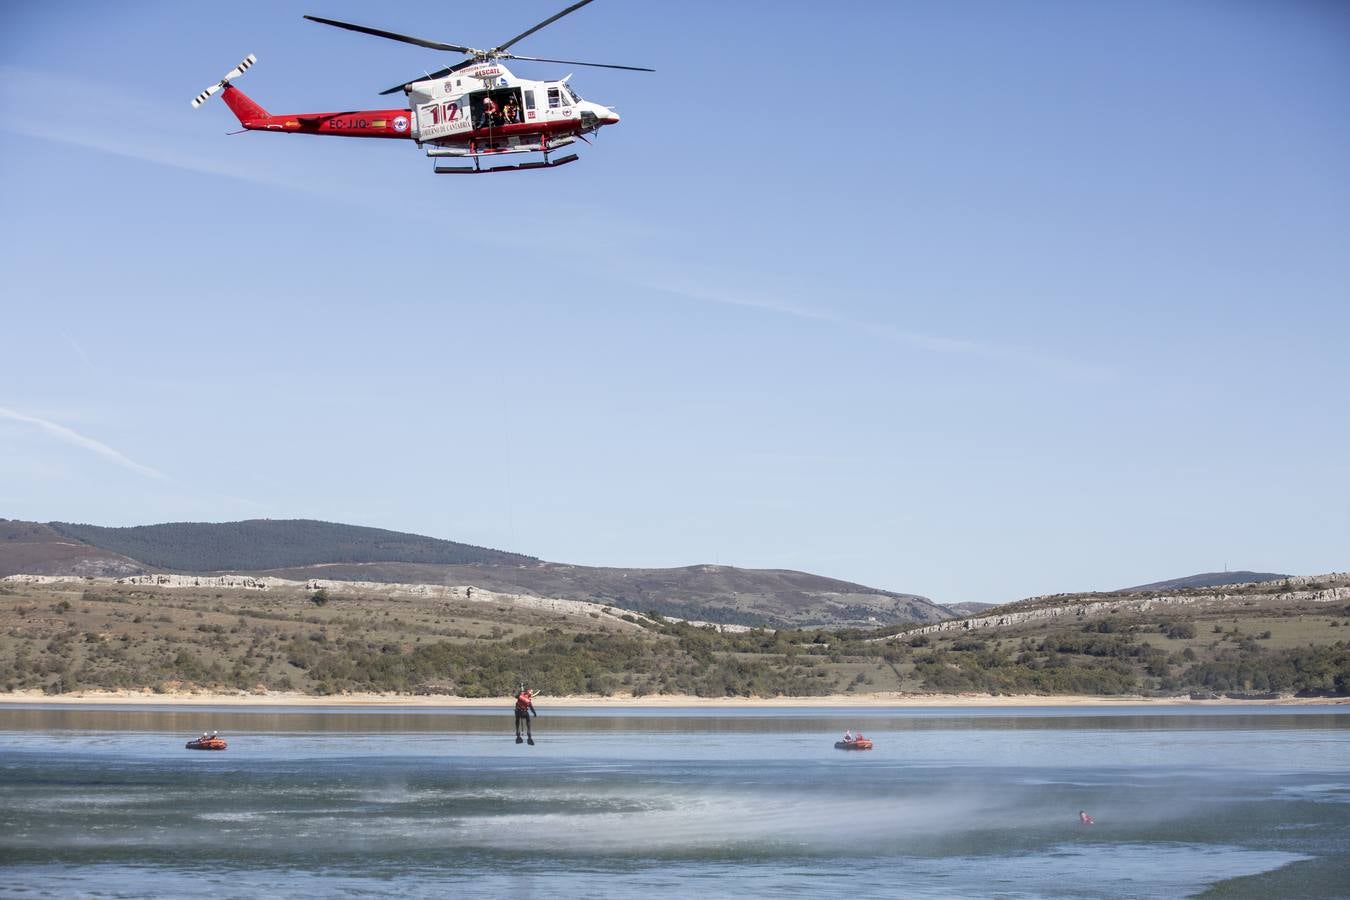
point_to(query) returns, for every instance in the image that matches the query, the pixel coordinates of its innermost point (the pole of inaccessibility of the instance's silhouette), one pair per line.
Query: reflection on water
(305, 720)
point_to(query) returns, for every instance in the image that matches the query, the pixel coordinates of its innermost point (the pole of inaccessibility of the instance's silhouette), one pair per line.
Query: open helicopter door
(505, 108)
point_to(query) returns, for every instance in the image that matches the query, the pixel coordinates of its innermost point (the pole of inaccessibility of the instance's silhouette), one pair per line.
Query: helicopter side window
(554, 98)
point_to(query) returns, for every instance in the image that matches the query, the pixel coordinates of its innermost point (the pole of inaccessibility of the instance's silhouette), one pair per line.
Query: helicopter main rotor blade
(394, 36)
(549, 21)
(573, 62)
(439, 73)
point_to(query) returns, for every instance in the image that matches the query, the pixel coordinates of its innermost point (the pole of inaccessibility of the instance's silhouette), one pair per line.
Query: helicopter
(476, 109)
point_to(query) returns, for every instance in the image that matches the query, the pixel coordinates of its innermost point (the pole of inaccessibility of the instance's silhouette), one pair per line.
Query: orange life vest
(523, 701)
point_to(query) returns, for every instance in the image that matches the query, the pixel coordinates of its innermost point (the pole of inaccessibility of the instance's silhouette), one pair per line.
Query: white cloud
(79, 440)
(128, 125)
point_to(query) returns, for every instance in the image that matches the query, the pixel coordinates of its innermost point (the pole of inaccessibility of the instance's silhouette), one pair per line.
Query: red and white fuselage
(480, 110)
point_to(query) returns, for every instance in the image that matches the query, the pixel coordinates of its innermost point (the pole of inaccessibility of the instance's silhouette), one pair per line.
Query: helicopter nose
(608, 116)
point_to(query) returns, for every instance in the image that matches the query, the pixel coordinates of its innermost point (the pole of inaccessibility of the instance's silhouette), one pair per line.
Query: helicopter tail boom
(361, 123)
(381, 123)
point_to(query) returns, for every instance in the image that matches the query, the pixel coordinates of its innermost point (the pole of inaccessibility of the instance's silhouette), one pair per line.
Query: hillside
(183, 633)
(259, 544)
(1204, 580)
(1315, 591)
(1254, 638)
(35, 549)
(303, 549)
(772, 597)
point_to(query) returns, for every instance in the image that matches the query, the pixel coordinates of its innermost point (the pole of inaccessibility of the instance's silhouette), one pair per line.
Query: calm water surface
(951, 803)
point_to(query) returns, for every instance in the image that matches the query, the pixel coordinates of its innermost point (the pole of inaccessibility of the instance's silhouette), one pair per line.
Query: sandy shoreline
(396, 701)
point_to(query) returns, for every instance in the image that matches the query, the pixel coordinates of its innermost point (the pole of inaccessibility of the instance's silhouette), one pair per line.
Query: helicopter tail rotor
(224, 82)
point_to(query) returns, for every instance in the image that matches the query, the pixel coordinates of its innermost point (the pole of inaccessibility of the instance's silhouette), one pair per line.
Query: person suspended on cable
(524, 709)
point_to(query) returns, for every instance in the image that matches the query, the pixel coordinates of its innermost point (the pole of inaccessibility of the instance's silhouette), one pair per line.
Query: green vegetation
(261, 544)
(1309, 670)
(122, 638)
(68, 636)
(560, 663)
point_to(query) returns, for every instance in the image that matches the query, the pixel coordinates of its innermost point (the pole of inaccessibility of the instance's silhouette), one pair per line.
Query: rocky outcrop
(1334, 588)
(448, 593)
(235, 582)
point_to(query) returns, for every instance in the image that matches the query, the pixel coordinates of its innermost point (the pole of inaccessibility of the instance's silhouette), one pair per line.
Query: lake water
(662, 803)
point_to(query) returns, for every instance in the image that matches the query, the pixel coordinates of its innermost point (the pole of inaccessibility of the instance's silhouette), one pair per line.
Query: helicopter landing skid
(476, 169)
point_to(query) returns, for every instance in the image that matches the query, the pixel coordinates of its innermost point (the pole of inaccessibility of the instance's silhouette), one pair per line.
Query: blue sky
(977, 300)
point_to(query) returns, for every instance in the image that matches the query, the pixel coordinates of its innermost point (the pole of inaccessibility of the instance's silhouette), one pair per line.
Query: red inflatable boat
(207, 743)
(858, 743)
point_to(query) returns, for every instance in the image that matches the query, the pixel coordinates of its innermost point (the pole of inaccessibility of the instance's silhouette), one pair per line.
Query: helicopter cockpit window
(554, 98)
(575, 98)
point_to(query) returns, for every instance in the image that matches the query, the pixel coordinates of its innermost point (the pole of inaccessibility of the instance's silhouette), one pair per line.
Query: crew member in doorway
(524, 709)
(489, 119)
